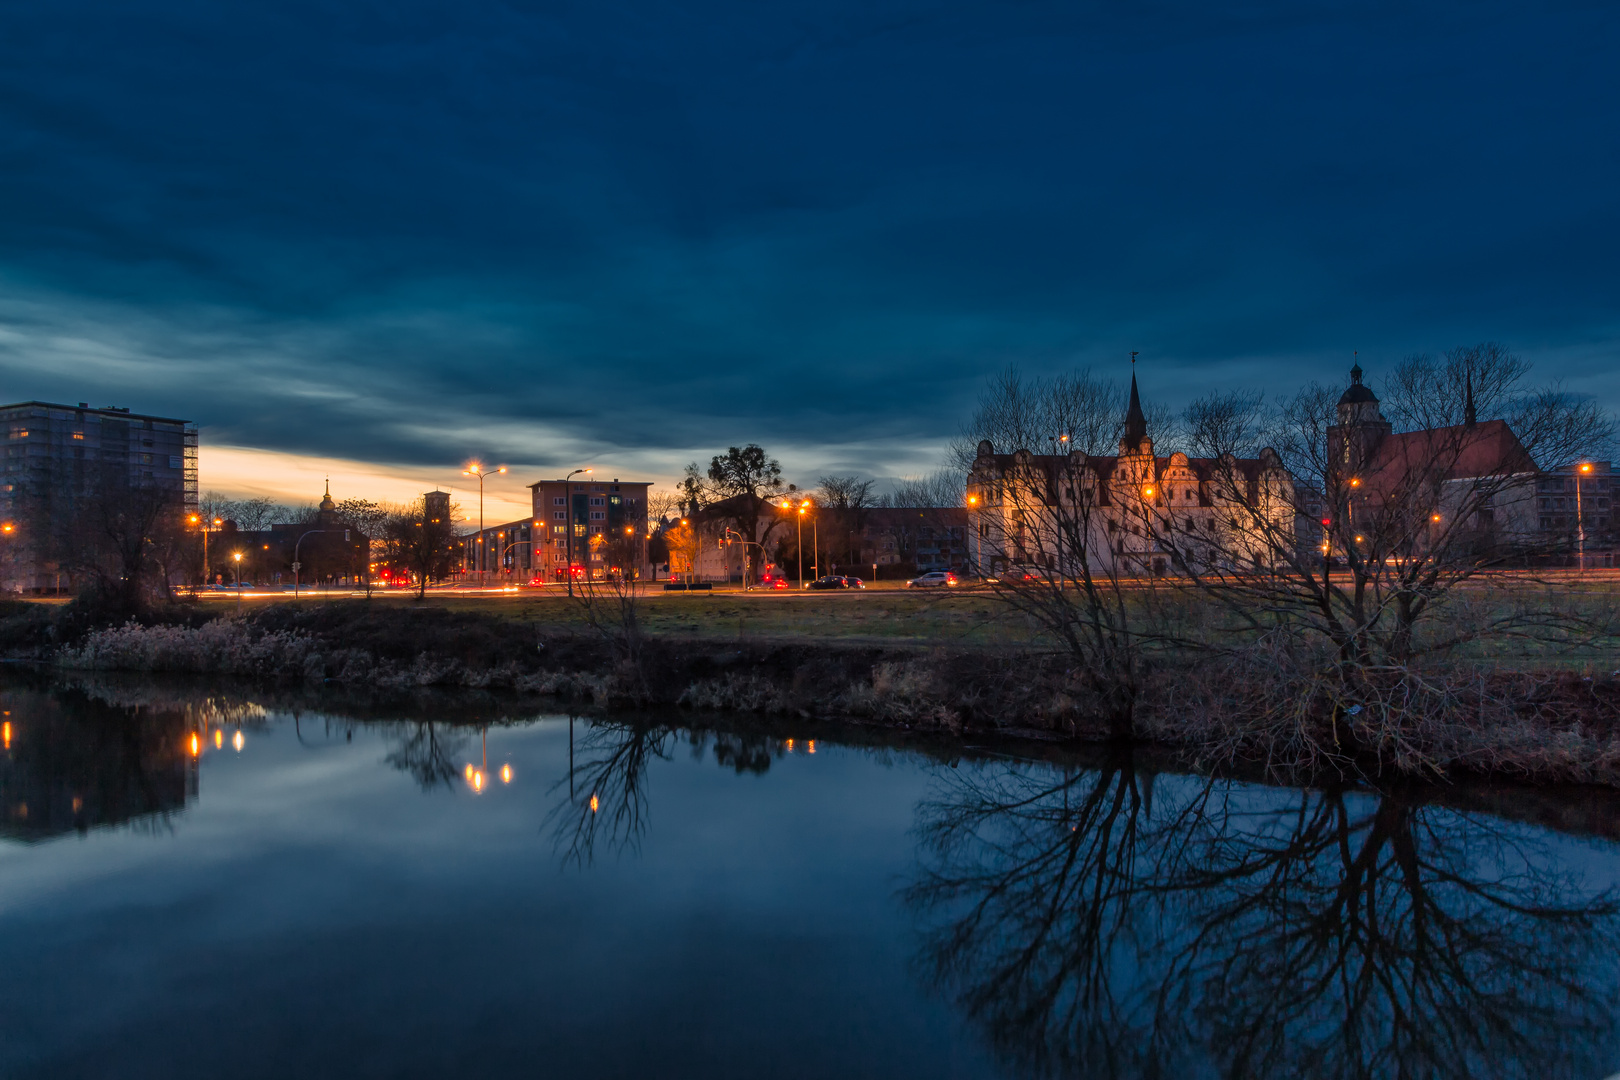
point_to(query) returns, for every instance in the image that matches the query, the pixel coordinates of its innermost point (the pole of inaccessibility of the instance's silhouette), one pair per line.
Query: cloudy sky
(379, 239)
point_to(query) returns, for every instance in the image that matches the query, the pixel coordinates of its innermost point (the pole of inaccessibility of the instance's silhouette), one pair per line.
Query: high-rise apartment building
(56, 455)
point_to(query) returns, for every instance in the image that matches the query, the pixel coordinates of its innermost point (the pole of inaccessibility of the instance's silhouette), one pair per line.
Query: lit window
(79, 435)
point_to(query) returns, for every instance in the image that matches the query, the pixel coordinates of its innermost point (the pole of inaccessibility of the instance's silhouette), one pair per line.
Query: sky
(383, 239)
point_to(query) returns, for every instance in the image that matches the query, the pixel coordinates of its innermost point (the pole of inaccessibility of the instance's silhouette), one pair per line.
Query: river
(229, 883)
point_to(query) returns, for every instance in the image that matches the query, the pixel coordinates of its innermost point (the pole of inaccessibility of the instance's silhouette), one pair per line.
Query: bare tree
(940, 488)
(1108, 922)
(1380, 525)
(843, 502)
(118, 534)
(420, 543)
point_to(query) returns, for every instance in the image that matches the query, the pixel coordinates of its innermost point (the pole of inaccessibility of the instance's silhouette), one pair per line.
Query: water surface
(230, 884)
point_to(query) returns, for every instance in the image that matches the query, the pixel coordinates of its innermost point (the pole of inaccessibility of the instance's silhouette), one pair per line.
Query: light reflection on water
(232, 885)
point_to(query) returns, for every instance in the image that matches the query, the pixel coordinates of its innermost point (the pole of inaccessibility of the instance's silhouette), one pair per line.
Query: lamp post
(1580, 516)
(238, 558)
(975, 516)
(568, 506)
(815, 540)
(475, 469)
(788, 505)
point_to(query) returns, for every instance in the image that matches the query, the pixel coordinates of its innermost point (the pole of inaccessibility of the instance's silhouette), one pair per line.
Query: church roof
(1135, 421)
(1464, 451)
(1357, 393)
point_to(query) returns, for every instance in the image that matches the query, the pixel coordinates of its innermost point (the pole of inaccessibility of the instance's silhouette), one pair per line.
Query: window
(79, 436)
(579, 530)
(559, 500)
(560, 530)
(598, 515)
(174, 461)
(18, 431)
(559, 515)
(146, 459)
(597, 500)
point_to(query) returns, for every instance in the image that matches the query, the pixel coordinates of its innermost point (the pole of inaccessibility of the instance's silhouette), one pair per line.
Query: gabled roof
(1465, 451)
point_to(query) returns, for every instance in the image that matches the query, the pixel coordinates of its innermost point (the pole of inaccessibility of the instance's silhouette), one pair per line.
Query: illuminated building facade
(1122, 512)
(595, 525)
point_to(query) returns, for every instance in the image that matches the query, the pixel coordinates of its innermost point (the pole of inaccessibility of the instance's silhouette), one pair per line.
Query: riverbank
(1251, 707)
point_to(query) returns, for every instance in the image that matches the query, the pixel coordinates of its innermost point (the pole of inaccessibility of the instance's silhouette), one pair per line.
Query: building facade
(596, 528)
(1127, 514)
(57, 454)
(325, 551)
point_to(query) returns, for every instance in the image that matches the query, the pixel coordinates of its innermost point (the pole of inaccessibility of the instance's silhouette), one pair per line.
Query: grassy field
(891, 615)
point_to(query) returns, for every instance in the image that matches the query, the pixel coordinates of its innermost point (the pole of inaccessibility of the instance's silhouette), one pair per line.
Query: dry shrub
(1299, 714)
(740, 691)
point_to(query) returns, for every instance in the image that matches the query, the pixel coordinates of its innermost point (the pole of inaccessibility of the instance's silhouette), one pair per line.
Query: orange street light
(1147, 492)
(1434, 517)
(1355, 481)
(476, 469)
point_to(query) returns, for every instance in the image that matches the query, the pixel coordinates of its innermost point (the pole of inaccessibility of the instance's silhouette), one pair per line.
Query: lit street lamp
(475, 469)
(787, 504)
(238, 558)
(1580, 515)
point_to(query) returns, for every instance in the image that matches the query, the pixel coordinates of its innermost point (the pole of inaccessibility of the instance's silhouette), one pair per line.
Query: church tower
(1361, 427)
(328, 511)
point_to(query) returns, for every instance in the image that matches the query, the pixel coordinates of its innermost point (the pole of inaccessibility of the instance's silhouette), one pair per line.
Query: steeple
(1135, 422)
(326, 502)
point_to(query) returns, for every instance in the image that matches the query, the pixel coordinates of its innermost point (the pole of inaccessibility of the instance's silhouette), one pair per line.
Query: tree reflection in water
(427, 750)
(605, 793)
(1098, 924)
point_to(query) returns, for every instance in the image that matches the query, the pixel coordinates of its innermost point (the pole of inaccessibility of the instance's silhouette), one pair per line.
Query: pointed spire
(1135, 422)
(1468, 402)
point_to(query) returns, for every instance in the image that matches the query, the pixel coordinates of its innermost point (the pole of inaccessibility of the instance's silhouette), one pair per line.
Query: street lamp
(1584, 469)
(568, 506)
(475, 469)
(238, 558)
(975, 522)
(787, 504)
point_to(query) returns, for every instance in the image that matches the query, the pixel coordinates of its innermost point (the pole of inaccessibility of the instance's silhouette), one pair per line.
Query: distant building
(326, 551)
(55, 451)
(1574, 512)
(1029, 509)
(924, 538)
(1478, 469)
(595, 526)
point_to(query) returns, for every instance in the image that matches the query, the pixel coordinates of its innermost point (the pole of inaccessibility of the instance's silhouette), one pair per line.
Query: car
(934, 579)
(773, 583)
(854, 583)
(831, 581)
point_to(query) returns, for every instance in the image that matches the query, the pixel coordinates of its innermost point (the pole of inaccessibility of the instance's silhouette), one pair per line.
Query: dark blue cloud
(415, 231)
